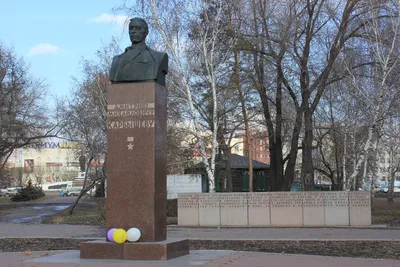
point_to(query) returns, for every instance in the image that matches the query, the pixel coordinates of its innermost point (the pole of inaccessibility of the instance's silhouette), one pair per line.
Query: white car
(74, 192)
(386, 189)
(3, 192)
(9, 192)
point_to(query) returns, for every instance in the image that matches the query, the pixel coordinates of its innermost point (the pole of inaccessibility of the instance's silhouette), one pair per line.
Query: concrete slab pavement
(231, 259)
(285, 233)
(9, 230)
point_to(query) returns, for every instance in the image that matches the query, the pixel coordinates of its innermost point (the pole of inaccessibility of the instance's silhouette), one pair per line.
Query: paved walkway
(8, 229)
(236, 259)
(81, 231)
(233, 259)
(285, 233)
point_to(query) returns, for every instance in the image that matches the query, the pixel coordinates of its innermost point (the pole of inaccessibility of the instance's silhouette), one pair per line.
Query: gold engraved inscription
(130, 116)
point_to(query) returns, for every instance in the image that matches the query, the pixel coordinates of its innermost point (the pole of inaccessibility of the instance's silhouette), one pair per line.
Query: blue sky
(54, 35)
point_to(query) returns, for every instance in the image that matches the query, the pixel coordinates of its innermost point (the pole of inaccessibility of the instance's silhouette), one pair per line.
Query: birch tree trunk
(172, 38)
(385, 53)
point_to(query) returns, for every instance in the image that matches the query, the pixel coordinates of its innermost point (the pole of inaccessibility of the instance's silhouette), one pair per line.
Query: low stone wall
(275, 209)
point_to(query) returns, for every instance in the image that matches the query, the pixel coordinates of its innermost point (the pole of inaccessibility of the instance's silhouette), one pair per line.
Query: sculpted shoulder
(157, 54)
(116, 57)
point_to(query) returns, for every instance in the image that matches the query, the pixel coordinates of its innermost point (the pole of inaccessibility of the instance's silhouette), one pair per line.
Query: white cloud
(105, 17)
(44, 48)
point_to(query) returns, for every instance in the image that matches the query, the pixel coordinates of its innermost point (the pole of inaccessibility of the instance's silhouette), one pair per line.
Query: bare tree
(24, 118)
(85, 114)
(173, 22)
(291, 52)
(391, 147)
(380, 89)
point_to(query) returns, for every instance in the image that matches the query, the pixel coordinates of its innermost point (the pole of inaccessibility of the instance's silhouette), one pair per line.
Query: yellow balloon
(120, 236)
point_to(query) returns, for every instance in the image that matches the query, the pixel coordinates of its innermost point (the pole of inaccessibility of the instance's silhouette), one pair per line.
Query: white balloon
(133, 234)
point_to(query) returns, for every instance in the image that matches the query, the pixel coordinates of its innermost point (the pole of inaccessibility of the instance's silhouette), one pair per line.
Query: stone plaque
(337, 208)
(360, 208)
(313, 209)
(188, 209)
(233, 209)
(259, 209)
(136, 166)
(286, 208)
(209, 209)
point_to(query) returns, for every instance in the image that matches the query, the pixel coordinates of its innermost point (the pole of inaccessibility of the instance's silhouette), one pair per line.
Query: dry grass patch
(386, 213)
(86, 213)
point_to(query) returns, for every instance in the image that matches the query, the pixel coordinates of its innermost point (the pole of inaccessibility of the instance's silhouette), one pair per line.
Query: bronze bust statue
(82, 163)
(139, 62)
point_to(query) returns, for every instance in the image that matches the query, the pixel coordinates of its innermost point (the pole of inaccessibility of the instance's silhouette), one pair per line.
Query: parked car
(12, 192)
(386, 189)
(3, 192)
(73, 193)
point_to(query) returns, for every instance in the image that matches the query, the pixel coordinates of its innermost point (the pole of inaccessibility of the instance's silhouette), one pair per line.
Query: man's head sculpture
(139, 63)
(138, 30)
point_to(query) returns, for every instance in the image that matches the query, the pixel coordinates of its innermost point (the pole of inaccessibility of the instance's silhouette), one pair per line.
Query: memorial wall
(296, 209)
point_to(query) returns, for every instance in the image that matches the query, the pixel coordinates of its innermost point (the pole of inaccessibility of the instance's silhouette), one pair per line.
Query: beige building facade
(52, 161)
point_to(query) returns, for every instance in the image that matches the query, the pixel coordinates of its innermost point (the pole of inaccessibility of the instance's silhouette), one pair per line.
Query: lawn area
(89, 213)
(386, 213)
(84, 214)
(5, 200)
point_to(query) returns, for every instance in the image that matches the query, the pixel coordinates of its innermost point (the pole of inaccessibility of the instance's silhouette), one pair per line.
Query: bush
(28, 193)
(172, 207)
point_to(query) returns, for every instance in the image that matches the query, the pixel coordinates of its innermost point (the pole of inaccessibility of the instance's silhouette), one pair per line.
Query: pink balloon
(110, 234)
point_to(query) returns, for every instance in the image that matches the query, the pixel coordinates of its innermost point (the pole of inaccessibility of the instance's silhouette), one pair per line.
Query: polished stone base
(162, 250)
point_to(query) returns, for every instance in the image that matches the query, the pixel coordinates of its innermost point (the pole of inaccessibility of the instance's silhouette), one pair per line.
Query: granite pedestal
(136, 174)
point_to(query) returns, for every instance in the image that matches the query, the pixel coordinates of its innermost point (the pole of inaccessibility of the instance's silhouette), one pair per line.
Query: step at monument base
(162, 250)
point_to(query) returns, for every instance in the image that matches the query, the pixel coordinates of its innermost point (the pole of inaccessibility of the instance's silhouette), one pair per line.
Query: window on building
(261, 155)
(236, 148)
(261, 148)
(256, 156)
(261, 142)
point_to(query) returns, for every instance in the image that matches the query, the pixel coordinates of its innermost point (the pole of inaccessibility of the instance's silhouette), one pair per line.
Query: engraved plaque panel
(259, 209)
(209, 209)
(188, 209)
(313, 209)
(337, 208)
(286, 208)
(233, 209)
(360, 208)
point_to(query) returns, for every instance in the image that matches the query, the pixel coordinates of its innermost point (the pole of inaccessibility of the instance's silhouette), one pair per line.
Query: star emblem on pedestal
(130, 146)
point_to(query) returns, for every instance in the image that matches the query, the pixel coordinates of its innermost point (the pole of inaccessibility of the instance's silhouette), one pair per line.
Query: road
(34, 212)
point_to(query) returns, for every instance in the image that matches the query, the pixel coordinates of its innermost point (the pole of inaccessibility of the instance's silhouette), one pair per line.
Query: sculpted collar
(140, 46)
